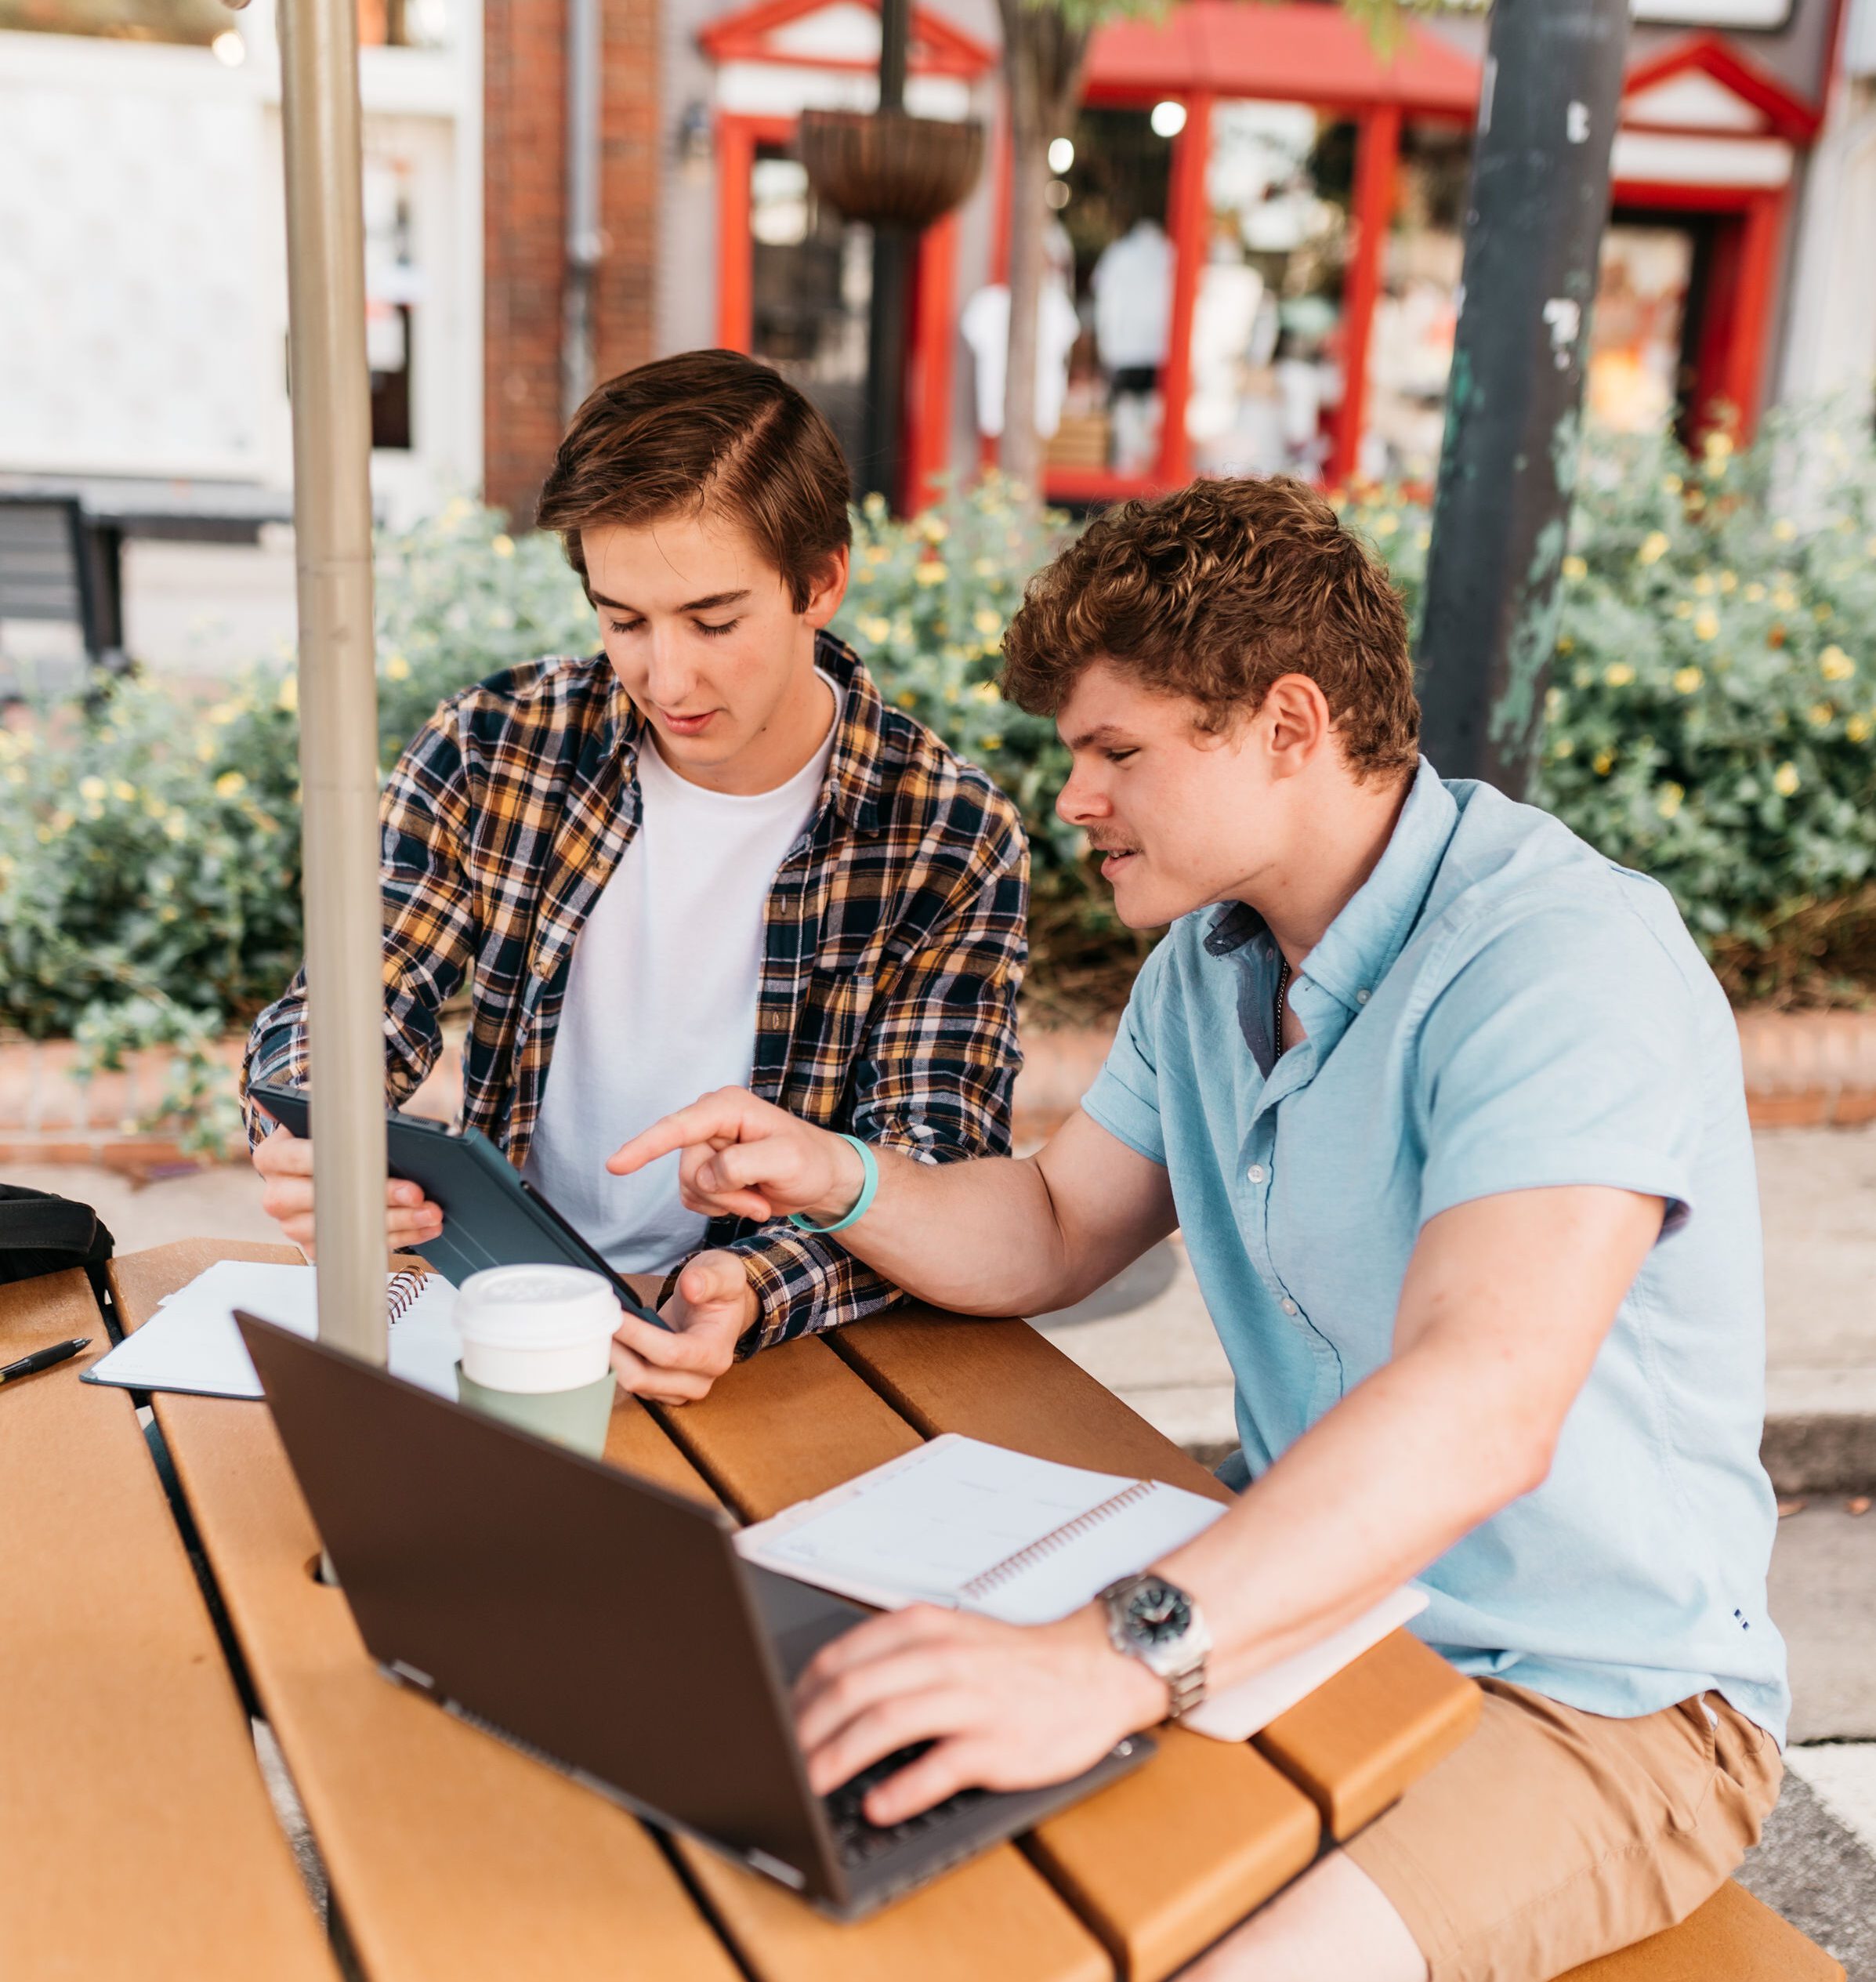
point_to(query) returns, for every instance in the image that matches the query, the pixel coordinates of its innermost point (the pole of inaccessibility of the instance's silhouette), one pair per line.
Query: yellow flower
(1386, 523)
(1834, 664)
(1820, 614)
(1821, 713)
(456, 508)
(1566, 644)
(1719, 444)
(90, 789)
(930, 571)
(288, 697)
(1785, 780)
(1706, 626)
(987, 692)
(176, 827)
(864, 575)
(1784, 599)
(223, 713)
(1857, 729)
(397, 668)
(986, 622)
(1870, 546)
(907, 699)
(1755, 592)
(876, 627)
(1654, 547)
(1553, 701)
(1729, 582)
(1703, 584)
(43, 835)
(1683, 609)
(1574, 567)
(1423, 539)
(231, 785)
(933, 528)
(155, 808)
(1671, 483)
(878, 553)
(1784, 529)
(1618, 674)
(1687, 679)
(205, 751)
(992, 743)
(503, 545)
(1669, 802)
(1563, 747)
(121, 789)
(1603, 762)
(985, 567)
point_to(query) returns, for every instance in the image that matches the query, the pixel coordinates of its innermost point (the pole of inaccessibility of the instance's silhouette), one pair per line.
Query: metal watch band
(1181, 1664)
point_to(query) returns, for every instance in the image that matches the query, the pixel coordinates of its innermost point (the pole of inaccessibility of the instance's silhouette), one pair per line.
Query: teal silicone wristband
(862, 1204)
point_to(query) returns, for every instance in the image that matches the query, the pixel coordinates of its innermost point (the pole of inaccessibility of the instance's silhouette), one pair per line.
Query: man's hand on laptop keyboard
(708, 1314)
(1006, 1706)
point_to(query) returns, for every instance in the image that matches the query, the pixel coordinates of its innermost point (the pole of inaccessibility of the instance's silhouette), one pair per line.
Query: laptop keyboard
(856, 1840)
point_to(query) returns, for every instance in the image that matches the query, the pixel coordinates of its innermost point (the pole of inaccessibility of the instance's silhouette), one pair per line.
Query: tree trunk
(1042, 64)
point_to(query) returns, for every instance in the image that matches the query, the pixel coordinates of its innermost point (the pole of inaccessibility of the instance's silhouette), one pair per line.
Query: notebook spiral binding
(999, 1573)
(405, 1290)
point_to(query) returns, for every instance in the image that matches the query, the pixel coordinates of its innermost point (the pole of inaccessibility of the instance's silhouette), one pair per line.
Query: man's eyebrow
(1101, 733)
(710, 604)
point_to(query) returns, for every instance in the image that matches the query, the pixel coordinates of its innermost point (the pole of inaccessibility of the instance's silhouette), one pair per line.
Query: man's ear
(1296, 721)
(828, 589)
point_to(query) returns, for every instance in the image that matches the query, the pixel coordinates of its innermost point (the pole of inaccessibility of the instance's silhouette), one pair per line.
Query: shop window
(1643, 335)
(393, 289)
(192, 24)
(1112, 252)
(1417, 312)
(811, 288)
(1267, 321)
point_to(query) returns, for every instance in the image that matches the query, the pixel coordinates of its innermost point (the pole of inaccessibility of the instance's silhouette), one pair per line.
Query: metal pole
(338, 683)
(583, 238)
(882, 466)
(1538, 200)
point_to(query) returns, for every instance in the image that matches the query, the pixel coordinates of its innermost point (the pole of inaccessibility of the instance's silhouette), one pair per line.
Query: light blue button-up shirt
(1498, 1008)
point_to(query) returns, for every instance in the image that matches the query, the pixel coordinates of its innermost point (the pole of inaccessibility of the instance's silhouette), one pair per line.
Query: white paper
(921, 1528)
(1240, 1711)
(191, 1342)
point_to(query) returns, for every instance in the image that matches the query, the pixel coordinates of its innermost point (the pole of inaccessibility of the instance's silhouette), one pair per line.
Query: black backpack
(40, 1233)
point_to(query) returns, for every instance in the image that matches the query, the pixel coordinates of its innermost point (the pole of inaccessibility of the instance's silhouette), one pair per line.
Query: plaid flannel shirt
(893, 953)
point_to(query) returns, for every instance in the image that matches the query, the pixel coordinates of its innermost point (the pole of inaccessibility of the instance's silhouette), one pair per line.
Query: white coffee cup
(532, 1329)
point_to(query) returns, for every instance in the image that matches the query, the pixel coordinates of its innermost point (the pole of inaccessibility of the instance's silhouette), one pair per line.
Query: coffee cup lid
(544, 1306)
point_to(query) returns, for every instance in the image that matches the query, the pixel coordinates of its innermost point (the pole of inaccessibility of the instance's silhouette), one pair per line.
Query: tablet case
(492, 1216)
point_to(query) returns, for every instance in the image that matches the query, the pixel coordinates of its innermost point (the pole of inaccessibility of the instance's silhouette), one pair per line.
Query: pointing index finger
(700, 1123)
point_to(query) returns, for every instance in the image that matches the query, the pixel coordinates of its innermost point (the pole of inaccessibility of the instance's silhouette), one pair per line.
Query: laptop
(604, 1625)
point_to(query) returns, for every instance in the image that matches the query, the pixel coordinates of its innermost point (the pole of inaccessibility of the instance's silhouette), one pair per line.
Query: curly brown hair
(705, 428)
(1214, 592)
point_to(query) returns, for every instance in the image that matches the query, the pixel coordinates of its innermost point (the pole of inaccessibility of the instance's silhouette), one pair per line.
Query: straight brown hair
(705, 430)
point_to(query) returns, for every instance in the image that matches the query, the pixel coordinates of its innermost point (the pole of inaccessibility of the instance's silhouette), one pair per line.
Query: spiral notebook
(191, 1343)
(978, 1527)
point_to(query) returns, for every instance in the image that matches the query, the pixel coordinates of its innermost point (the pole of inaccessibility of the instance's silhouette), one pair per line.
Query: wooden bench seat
(135, 1829)
(1733, 1938)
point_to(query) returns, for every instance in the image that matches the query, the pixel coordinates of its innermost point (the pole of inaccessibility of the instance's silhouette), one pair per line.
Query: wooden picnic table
(451, 1855)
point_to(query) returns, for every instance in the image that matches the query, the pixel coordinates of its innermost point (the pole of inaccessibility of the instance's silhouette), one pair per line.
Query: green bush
(1713, 700)
(1711, 721)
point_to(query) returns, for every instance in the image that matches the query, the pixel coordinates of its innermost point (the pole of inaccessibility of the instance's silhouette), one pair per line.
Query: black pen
(42, 1359)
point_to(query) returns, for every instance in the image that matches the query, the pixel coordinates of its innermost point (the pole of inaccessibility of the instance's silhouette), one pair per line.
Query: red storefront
(1261, 226)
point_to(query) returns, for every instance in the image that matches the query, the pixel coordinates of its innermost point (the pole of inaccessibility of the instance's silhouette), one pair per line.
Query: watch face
(1157, 1613)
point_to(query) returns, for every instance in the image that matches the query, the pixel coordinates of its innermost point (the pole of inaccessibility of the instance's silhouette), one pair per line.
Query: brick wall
(524, 224)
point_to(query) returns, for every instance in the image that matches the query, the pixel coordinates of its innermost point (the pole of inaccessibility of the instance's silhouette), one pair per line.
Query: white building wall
(143, 258)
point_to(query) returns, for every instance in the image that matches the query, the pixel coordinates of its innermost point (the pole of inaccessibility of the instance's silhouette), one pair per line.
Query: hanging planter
(887, 168)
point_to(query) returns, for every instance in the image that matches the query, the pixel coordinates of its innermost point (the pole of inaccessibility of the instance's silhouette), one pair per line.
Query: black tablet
(492, 1216)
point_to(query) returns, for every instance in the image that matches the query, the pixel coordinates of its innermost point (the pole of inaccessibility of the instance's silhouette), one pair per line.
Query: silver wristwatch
(1155, 1622)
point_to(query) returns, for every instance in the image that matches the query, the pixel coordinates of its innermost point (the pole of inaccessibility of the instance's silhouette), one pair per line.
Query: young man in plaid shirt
(709, 854)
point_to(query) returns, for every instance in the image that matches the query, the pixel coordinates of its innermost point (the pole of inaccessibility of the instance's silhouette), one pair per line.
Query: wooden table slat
(1360, 1738)
(791, 1423)
(451, 1857)
(135, 1827)
(1384, 1720)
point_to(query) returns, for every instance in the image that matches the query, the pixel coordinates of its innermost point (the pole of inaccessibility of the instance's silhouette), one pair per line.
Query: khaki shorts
(1553, 1836)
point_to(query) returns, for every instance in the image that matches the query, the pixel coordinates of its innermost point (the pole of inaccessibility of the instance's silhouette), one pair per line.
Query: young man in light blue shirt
(1449, 1110)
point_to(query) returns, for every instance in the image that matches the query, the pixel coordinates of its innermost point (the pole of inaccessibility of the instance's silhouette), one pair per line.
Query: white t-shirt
(660, 999)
